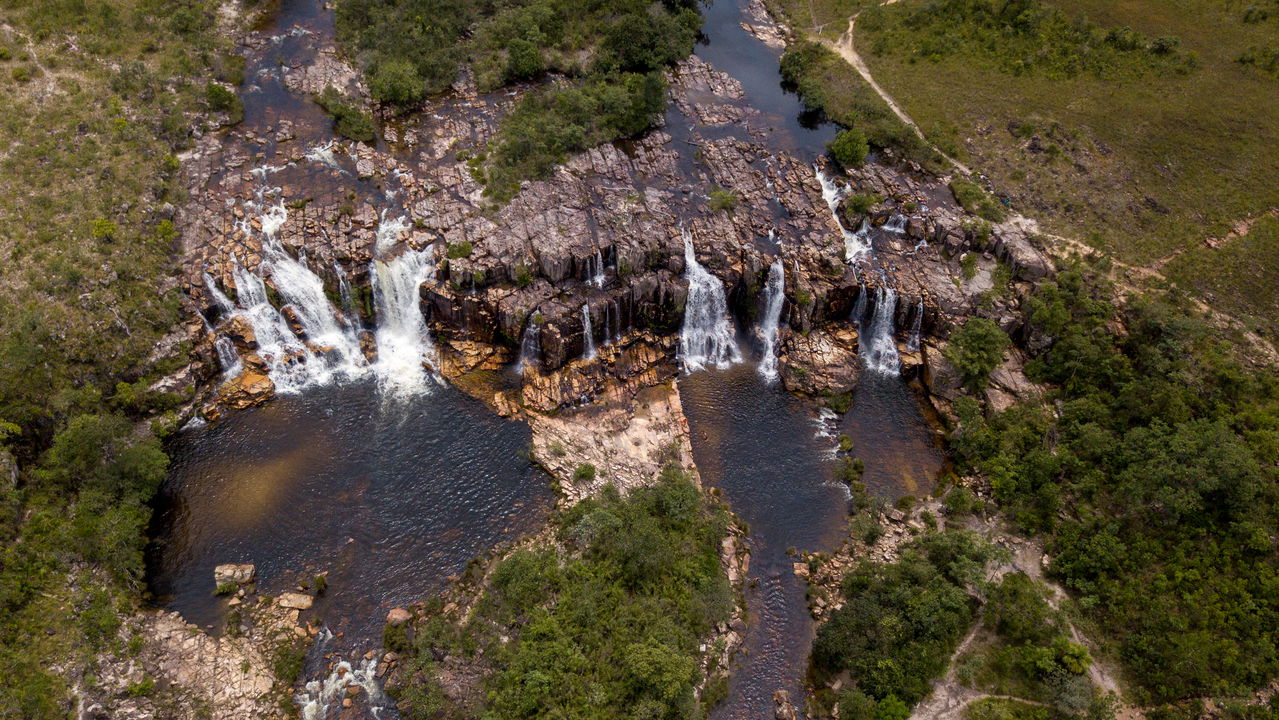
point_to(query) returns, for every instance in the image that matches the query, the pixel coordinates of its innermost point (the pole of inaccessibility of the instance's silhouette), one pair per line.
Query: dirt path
(844, 47)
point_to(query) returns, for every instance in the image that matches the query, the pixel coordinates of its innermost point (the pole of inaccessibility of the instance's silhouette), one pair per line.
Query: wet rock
(295, 601)
(784, 709)
(823, 361)
(250, 388)
(234, 573)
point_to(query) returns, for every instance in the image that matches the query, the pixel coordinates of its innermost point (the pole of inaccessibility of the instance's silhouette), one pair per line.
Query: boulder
(397, 616)
(234, 573)
(295, 601)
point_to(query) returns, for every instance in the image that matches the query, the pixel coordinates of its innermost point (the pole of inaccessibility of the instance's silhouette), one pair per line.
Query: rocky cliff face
(603, 232)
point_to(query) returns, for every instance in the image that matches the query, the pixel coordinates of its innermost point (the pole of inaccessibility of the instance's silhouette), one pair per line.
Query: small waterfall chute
(916, 326)
(877, 345)
(318, 697)
(404, 341)
(774, 298)
(856, 243)
(530, 347)
(597, 269)
(896, 224)
(707, 333)
(588, 339)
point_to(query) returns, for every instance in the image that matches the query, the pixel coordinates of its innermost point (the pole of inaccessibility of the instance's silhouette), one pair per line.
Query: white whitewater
(588, 333)
(228, 358)
(287, 359)
(344, 290)
(335, 341)
(896, 224)
(878, 348)
(597, 274)
(320, 696)
(403, 340)
(707, 334)
(916, 325)
(530, 349)
(856, 243)
(774, 298)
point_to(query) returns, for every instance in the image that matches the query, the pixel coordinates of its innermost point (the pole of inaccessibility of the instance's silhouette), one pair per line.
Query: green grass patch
(827, 84)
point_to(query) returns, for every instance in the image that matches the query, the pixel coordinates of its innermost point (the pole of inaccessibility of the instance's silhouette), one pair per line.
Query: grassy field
(99, 97)
(1130, 125)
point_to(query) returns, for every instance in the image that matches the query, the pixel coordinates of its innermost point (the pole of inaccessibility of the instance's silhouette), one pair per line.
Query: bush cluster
(899, 625)
(1154, 472)
(607, 626)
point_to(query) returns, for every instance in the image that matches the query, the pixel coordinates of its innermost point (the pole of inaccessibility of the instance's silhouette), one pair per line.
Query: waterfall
(916, 325)
(279, 347)
(588, 339)
(336, 342)
(877, 346)
(774, 297)
(530, 350)
(324, 155)
(896, 224)
(228, 358)
(223, 302)
(344, 290)
(707, 335)
(857, 243)
(403, 339)
(597, 269)
(388, 232)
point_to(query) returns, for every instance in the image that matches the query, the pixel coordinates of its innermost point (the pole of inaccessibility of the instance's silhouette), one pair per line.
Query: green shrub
(348, 119)
(849, 148)
(608, 627)
(397, 82)
(976, 349)
(223, 100)
(722, 200)
(460, 249)
(858, 204)
(584, 472)
(900, 622)
(226, 588)
(975, 200)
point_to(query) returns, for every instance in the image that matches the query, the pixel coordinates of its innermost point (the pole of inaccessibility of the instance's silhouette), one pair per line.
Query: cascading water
(597, 274)
(228, 358)
(896, 224)
(857, 243)
(223, 302)
(774, 298)
(403, 340)
(319, 696)
(302, 290)
(916, 326)
(707, 335)
(588, 334)
(285, 356)
(530, 350)
(878, 348)
(344, 290)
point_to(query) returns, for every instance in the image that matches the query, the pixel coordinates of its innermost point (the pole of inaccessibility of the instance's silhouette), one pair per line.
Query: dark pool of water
(757, 443)
(390, 500)
(890, 434)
